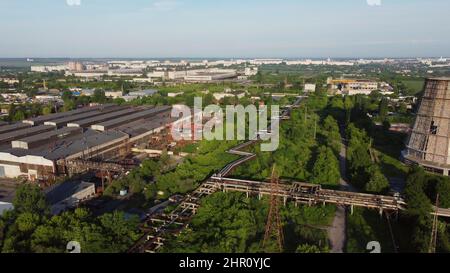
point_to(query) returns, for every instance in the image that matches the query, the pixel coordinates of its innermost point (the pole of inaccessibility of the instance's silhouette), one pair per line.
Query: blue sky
(224, 28)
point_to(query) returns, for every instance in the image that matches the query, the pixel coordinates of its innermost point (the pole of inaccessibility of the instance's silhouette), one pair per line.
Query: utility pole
(306, 113)
(274, 228)
(434, 230)
(315, 128)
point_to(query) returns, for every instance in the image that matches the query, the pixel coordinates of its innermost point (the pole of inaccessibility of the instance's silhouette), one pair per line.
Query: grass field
(414, 86)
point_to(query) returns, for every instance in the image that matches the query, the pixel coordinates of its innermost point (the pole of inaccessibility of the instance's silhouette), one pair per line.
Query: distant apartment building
(87, 74)
(125, 72)
(266, 61)
(319, 62)
(75, 66)
(142, 80)
(48, 68)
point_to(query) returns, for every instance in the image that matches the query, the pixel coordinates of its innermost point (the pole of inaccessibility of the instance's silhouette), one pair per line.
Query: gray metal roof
(90, 121)
(72, 145)
(65, 190)
(140, 127)
(25, 132)
(13, 127)
(42, 119)
(45, 138)
(111, 124)
(76, 117)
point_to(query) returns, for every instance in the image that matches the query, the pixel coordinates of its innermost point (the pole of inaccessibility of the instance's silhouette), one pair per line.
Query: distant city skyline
(224, 29)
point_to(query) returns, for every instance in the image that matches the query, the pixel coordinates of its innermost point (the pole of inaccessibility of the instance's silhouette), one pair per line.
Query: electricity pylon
(274, 229)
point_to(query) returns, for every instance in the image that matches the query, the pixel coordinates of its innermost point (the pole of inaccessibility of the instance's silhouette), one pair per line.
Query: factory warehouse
(44, 147)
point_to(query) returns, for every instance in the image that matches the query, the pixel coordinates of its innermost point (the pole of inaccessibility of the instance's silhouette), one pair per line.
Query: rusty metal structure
(429, 142)
(434, 230)
(274, 229)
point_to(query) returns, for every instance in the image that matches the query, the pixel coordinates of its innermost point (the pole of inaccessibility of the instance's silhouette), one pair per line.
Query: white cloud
(165, 5)
(73, 2)
(374, 3)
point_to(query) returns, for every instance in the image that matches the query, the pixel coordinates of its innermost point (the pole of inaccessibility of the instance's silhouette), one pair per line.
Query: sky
(224, 28)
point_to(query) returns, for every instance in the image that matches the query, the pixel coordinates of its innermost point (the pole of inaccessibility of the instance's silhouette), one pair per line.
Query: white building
(114, 94)
(173, 95)
(9, 81)
(125, 72)
(310, 87)
(266, 61)
(142, 80)
(87, 74)
(48, 98)
(48, 68)
(212, 74)
(139, 94)
(251, 71)
(220, 96)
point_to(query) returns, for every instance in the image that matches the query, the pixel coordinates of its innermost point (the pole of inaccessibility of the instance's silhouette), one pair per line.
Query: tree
(66, 96)
(305, 248)
(120, 230)
(402, 108)
(418, 202)
(46, 110)
(225, 223)
(18, 116)
(326, 168)
(377, 182)
(29, 198)
(69, 105)
(384, 108)
(348, 105)
(332, 134)
(27, 222)
(259, 77)
(443, 189)
(99, 96)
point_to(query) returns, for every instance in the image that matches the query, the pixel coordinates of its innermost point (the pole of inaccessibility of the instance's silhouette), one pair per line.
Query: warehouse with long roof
(39, 148)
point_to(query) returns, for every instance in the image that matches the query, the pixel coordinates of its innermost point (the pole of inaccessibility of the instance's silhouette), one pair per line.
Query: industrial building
(209, 75)
(85, 123)
(72, 118)
(68, 195)
(44, 148)
(114, 123)
(196, 75)
(429, 142)
(352, 86)
(42, 119)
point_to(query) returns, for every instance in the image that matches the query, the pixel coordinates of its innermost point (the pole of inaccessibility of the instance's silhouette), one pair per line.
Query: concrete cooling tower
(429, 142)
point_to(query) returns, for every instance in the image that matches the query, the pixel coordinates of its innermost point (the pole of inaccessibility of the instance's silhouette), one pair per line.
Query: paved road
(337, 232)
